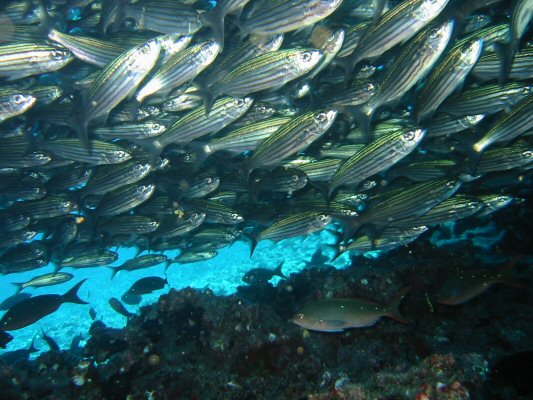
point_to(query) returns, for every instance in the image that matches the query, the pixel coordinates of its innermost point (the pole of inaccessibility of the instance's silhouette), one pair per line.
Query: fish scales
(291, 137)
(396, 26)
(88, 49)
(376, 156)
(115, 82)
(447, 76)
(197, 124)
(268, 70)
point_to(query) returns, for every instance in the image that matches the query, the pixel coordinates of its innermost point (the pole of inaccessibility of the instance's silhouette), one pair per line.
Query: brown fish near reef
(336, 315)
(33, 309)
(466, 285)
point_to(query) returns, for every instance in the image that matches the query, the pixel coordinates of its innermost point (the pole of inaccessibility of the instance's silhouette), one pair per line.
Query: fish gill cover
(371, 159)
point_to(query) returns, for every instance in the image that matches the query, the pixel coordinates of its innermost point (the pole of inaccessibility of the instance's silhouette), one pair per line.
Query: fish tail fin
(363, 116)
(206, 94)
(338, 250)
(347, 65)
(350, 227)
(81, 129)
(278, 271)
(336, 234)
(246, 168)
(202, 152)
(331, 193)
(18, 285)
(253, 241)
(321, 187)
(72, 295)
(215, 19)
(508, 279)
(507, 273)
(468, 165)
(379, 6)
(32, 348)
(114, 271)
(505, 52)
(393, 307)
(46, 21)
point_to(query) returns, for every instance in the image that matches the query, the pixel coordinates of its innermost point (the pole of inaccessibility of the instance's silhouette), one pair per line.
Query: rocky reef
(192, 344)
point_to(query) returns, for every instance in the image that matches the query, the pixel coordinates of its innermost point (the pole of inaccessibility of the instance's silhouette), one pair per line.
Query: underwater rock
(192, 344)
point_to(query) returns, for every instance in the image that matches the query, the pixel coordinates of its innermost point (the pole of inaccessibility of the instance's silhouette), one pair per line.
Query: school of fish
(187, 125)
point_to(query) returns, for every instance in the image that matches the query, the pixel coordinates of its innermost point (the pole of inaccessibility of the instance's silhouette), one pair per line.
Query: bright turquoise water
(221, 274)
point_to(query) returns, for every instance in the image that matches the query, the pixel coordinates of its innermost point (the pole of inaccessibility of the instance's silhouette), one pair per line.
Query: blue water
(221, 274)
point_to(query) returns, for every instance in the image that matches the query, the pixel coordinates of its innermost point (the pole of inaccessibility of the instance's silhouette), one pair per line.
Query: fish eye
(408, 136)
(18, 98)
(299, 316)
(322, 117)
(369, 87)
(130, 23)
(433, 34)
(239, 102)
(307, 56)
(450, 184)
(527, 154)
(57, 54)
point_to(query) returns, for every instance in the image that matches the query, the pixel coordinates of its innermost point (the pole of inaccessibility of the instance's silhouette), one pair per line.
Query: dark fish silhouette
(261, 276)
(5, 338)
(12, 300)
(11, 357)
(33, 309)
(119, 307)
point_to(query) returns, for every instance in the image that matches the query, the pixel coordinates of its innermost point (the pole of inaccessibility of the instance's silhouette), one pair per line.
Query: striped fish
(488, 66)
(509, 126)
(106, 179)
(124, 199)
(88, 49)
(486, 99)
(252, 47)
(376, 157)
(412, 64)
(165, 16)
(290, 138)
(454, 208)
(19, 60)
(14, 102)
(503, 158)
(179, 70)
(269, 17)
(447, 76)
(196, 123)
(100, 153)
(396, 26)
(300, 224)
(269, 70)
(412, 202)
(115, 83)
